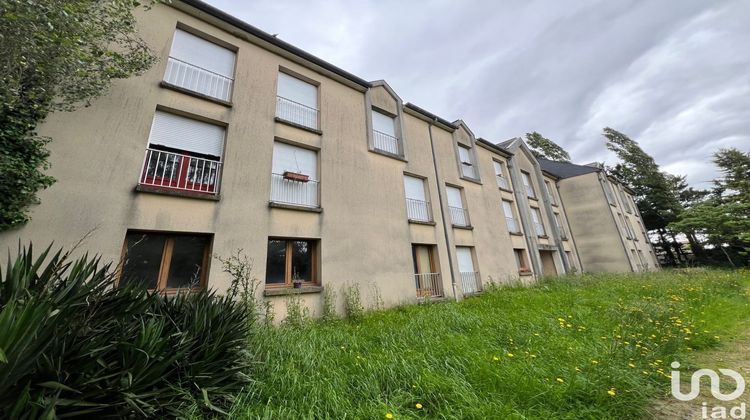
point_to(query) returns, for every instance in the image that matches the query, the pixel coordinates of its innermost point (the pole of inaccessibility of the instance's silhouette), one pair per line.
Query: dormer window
(384, 133)
(467, 162)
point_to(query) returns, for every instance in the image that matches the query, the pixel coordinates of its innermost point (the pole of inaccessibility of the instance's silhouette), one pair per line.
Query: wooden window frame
(166, 261)
(288, 263)
(522, 260)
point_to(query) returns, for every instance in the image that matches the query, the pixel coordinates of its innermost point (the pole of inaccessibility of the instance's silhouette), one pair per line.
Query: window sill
(553, 204)
(300, 126)
(388, 154)
(532, 198)
(613, 205)
(463, 227)
(286, 291)
(422, 222)
(525, 273)
(474, 180)
(516, 233)
(199, 95)
(505, 190)
(275, 205)
(564, 239)
(542, 236)
(177, 193)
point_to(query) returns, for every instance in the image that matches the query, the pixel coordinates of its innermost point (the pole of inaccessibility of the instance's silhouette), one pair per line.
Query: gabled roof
(494, 147)
(564, 169)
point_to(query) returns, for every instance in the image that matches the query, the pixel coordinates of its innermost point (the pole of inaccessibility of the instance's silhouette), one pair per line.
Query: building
(605, 222)
(238, 140)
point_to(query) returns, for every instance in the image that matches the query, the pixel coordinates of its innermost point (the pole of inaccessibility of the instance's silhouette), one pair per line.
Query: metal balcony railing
(512, 225)
(180, 172)
(198, 79)
(459, 216)
(470, 282)
(428, 285)
(418, 210)
(385, 142)
(297, 113)
(502, 182)
(289, 191)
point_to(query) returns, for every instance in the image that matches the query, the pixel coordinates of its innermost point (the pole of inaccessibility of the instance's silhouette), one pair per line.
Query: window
(183, 154)
(521, 262)
(459, 214)
(536, 218)
(291, 260)
(426, 275)
(560, 228)
(200, 66)
(510, 219)
(572, 263)
(417, 206)
(608, 191)
(502, 181)
(625, 201)
(294, 175)
(384, 133)
(469, 277)
(297, 101)
(624, 227)
(528, 185)
(165, 261)
(467, 163)
(630, 229)
(644, 263)
(550, 194)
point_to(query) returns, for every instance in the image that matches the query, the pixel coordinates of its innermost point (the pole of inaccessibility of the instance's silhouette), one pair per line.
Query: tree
(723, 218)
(545, 148)
(57, 55)
(657, 192)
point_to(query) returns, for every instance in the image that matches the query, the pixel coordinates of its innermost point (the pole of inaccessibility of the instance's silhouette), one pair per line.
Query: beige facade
(342, 185)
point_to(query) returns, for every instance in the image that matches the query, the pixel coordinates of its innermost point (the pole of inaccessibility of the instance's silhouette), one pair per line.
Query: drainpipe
(442, 209)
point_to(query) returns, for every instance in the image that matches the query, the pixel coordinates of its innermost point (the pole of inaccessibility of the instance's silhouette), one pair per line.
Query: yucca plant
(73, 344)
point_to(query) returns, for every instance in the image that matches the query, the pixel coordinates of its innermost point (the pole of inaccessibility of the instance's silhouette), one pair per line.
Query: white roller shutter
(414, 188)
(465, 263)
(294, 159)
(187, 134)
(205, 54)
(383, 123)
(298, 91)
(454, 197)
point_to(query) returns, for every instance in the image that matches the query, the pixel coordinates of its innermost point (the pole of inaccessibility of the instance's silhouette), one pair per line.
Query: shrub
(74, 345)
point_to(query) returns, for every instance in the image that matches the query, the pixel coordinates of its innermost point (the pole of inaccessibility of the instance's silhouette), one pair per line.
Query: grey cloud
(674, 75)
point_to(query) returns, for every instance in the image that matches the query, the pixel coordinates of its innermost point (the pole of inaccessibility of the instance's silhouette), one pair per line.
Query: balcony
(296, 113)
(180, 172)
(459, 216)
(294, 192)
(428, 285)
(197, 79)
(512, 225)
(385, 142)
(418, 210)
(470, 283)
(502, 182)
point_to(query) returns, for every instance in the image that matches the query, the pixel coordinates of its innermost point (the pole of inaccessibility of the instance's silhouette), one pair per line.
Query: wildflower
(533, 356)
(388, 415)
(495, 358)
(510, 354)
(631, 365)
(594, 362)
(418, 405)
(560, 380)
(611, 392)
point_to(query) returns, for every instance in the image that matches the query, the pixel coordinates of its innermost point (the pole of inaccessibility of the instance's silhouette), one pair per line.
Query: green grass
(549, 351)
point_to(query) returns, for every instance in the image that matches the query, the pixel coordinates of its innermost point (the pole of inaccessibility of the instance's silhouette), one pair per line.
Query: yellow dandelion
(560, 380)
(495, 358)
(594, 362)
(611, 392)
(510, 354)
(388, 415)
(418, 405)
(631, 365)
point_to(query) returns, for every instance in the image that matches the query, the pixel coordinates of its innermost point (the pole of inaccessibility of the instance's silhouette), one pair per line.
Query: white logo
(715, 381)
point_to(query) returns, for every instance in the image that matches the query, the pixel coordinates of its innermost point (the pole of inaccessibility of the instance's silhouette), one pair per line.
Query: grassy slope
(555, 350)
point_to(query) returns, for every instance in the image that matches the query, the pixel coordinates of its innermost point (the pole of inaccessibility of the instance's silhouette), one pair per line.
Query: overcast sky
(673, 75)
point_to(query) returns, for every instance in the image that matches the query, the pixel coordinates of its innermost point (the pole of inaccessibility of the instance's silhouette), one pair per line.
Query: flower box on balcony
(294, 176)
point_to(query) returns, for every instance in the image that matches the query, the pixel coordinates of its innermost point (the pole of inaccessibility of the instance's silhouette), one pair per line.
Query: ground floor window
(165, 261)
(521, 261)
(291, 260)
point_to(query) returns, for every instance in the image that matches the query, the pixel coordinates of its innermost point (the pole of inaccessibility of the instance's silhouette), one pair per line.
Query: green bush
(71, 344)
